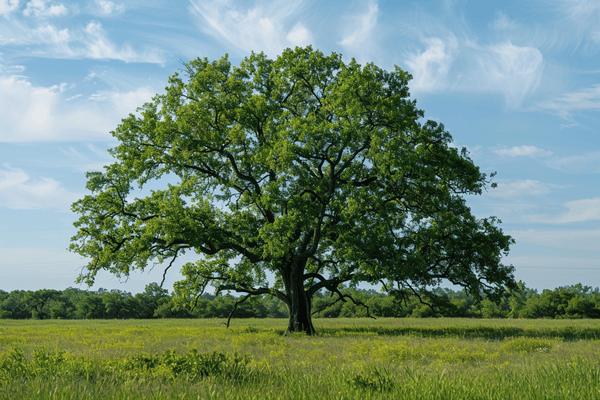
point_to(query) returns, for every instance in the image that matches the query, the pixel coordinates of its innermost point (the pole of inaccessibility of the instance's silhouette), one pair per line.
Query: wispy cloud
(450, 59)
(431, 66)
(91, 41)
(91, 158)
(19, 191)
(97, 45)
(502, 22)
(582, 163)
(358, 31)
(584, 99)
(579, 9)
(527, 187)
(581, 210)
(576, 240)
(263, 27)
(41, 9)
(48, 34)
(514, 71)
(519, 151)
(582, 16)
(578, 211)
(11, 69)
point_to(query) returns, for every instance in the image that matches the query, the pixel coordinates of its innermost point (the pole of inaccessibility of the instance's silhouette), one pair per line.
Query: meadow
(255, 359)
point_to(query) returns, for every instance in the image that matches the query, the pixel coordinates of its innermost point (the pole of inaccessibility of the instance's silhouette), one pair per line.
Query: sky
(515, 82)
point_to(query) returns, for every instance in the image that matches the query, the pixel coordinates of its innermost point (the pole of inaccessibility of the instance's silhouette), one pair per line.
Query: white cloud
(128, 102)
(581, 210)
(7, 6)
(430, 68)
(74, 97)
(16, 33)
(503, 23)
(98, 46)
(40, 9)
(18, 191)
(98, 96)
(579, 9)
(527, 187)
(517, 151)
(577, 23)
(49, 34)
(584, 99)
(108, 7)
(261, 28)
(512, 70)
(90, 41)
(90, 76)
(447, 62)
(11, 69)
(578, 211)
(358, 32)
(299, 36)
(586, 163)
(32, 113)
(564, 126)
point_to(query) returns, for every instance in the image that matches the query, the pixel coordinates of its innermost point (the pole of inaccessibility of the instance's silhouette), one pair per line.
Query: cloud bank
(36, 113)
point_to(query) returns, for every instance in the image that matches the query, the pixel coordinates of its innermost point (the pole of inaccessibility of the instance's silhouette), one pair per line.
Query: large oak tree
(317, 171)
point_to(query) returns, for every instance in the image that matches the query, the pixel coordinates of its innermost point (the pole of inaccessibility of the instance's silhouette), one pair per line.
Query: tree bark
(299, 307)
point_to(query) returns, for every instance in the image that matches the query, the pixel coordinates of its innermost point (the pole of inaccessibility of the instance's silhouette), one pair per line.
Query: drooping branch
(169, 266)
(405, 284)
(342, 297)
(235, 306)
(203, 286)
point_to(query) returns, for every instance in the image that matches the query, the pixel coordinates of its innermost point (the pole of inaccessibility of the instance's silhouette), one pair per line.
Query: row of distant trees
(575, 301)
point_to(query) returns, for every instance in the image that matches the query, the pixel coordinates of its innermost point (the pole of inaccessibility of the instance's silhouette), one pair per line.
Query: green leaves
(289, 165)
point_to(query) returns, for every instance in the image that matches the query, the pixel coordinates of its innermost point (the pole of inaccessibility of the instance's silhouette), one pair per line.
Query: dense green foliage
(317, 171)
(350, 358)
(564, 302)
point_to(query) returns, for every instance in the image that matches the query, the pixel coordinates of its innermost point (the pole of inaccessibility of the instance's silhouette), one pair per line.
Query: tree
(313, 169)
(562, 302)
(151, 299)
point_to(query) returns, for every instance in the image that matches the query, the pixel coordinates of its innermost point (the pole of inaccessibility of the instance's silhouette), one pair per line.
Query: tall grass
(395, 359)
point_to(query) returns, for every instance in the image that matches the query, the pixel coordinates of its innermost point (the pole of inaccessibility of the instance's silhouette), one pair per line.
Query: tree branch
(235, 307)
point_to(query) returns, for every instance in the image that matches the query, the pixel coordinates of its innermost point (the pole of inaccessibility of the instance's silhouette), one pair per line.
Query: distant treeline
(564, 302)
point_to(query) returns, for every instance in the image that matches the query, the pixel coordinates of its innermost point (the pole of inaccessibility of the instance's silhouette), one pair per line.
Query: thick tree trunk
(300, 304)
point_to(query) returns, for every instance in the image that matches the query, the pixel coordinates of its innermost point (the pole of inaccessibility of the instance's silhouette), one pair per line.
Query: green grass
(349, 358)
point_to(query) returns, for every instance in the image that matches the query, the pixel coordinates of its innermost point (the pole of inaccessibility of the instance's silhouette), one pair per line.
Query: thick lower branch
(329, 284)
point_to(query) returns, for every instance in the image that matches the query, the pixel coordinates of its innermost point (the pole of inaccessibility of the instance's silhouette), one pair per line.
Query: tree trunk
(300, 304)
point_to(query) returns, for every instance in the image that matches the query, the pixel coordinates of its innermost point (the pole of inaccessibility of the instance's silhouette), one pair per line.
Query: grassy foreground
(349, 359)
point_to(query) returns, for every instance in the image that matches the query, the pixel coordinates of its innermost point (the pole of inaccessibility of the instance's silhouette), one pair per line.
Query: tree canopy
(316, 171)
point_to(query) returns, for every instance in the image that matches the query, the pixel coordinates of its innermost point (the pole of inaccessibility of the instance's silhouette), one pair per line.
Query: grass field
(348, 359)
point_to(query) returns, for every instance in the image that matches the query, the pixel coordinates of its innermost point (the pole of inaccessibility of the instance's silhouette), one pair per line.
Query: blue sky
(516, 82)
